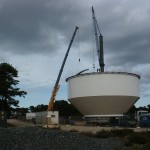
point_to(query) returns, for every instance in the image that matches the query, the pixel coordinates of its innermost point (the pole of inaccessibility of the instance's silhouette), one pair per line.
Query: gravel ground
(33, 138)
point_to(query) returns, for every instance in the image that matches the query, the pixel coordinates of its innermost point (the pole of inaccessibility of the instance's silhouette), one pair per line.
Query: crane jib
(96, 35)
(56, 87)
(65, 58)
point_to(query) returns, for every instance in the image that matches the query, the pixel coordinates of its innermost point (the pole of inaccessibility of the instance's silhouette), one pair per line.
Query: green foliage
(146, 146)
(73, 130)
(127, 143)
(147, 133)
(21, 111)
(132, 140)
(89, 134)
(38, 108)
(66, 109)
(10, 125)
(114, 133)
(141, 147)
(8, 86)
(103, 134)
(139, 138)
(148, 106)
(138, 141)
(121, 132)
(132, 110)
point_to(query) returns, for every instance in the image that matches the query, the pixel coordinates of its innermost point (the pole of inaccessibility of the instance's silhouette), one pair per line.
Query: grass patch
(132, 140)
(138, 141)
(141, 147)
(114, 133)
(10, 125)
(139, 138)
(73, 130)
(121, 132)
(127, 143)
(103, 134)
(89, 134)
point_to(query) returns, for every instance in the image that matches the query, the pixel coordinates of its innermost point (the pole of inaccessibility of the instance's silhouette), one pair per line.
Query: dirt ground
(97, 129)
(18, 123)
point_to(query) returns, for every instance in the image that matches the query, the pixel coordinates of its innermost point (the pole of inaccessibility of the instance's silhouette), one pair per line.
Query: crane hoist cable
(93, 50)
(78, 36)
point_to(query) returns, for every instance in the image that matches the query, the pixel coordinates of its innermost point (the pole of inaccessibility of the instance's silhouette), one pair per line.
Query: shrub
(137, 147)
(138, 138)
(103, 134)
(147, 133)
(73, 130)
(128, 143)
(122, 132)
(141, 147)
(10, 125)
(89, 134)
(114, 133)
(146, 146)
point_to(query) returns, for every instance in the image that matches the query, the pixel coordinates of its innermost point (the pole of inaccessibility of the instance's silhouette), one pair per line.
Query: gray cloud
(30, 27)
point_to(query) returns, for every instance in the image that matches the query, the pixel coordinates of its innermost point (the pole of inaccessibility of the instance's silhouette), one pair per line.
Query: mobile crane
(56, 86)
(99, 42)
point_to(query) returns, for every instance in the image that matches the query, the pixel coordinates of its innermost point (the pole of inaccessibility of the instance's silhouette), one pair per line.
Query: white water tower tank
(104, 93)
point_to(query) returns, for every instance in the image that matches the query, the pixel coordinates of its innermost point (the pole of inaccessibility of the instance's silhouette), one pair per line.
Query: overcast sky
(35, 34)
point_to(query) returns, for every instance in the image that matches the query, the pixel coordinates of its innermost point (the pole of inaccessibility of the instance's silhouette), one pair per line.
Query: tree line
(67, 109)
(9, 91)
(64, 108)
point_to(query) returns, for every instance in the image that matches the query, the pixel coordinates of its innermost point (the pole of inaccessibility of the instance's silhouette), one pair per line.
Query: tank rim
(92, 73)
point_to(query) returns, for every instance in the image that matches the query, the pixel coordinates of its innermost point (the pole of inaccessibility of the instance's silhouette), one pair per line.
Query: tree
(66, 109)
(21, 111)
(38, 108)
(131, 112)
(8, 87)
(148, 106)
(32, 109)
